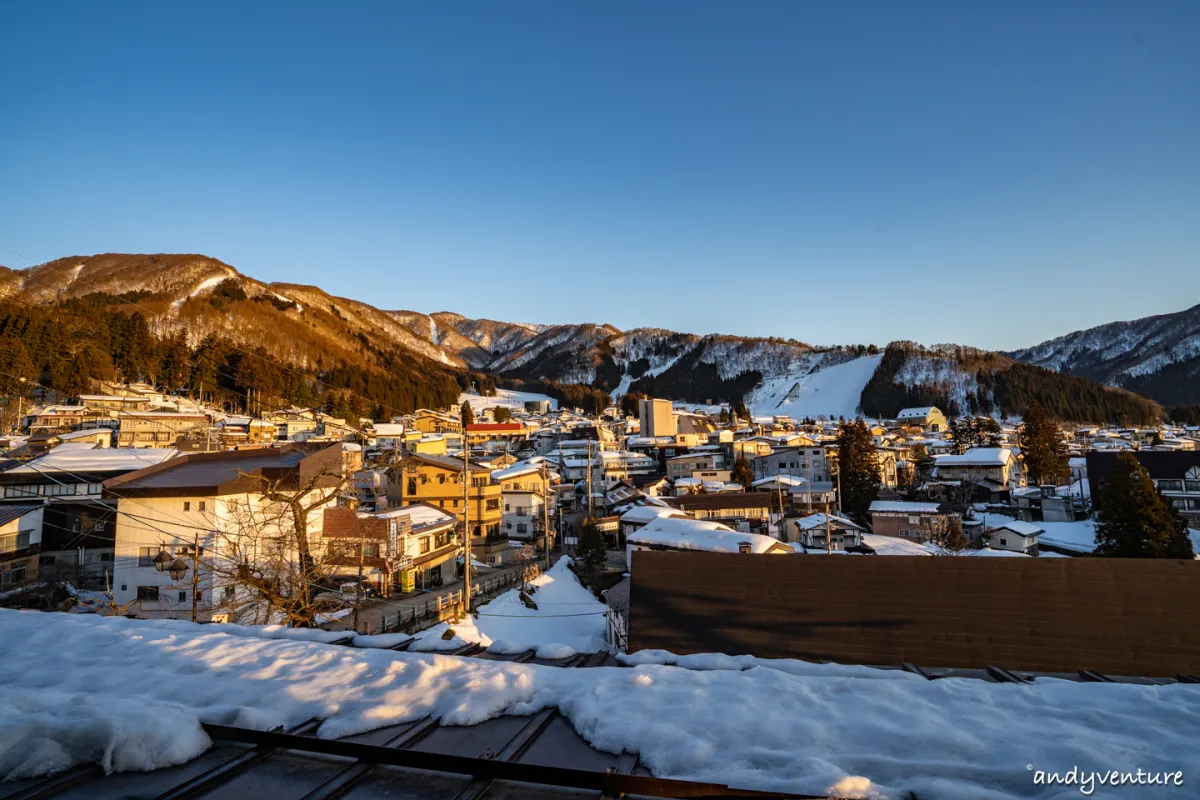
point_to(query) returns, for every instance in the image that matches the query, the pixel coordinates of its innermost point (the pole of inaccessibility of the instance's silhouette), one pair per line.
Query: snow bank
(128, 693)
(829, 391)
(567, 615)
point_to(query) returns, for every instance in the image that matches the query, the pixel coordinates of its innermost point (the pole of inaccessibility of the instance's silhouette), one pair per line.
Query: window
(187, 505)
(370, 550)
(227, 594)
(146, 556)
(412, 485)
(426, 546)
(18, 574)
(1003, 542)
(106, 556)
(522, 527)
(1192, 486)
(493, 505)
(1171, 486)
(202, 505)
(46, 561)
(506, 508)
(914, 520)
(148, 594)
(441, 503)
(14, 541)
(183, 597)
(441, 477)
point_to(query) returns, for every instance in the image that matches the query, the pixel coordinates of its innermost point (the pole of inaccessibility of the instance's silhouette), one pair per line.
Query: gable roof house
(205, 504)
(928, 417)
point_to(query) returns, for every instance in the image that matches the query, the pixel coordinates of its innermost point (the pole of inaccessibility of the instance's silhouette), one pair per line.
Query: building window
(412, 485)
(522, 527)
(441, 477)
(370, 550)
(1171, 486)
(1192, 486)
(1003, 542)
(106, 556)
(146, 556)
(187, 505)
(441, 503)
(14, 541)
(493, 505)
(227, 594)
(202, 505)
(147, 594)
(183, 597)
(46, 561)
(425, 545)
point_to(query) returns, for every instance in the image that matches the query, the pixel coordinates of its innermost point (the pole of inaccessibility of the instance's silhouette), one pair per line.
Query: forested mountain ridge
(1157, 356)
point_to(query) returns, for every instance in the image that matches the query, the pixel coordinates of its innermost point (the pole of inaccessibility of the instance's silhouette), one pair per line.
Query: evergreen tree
(1135, 519)
(987, 432)
(742, 473)
(501, 414)
(467, 414)
(1043, 447)
(591, 551)
(173, 369)
(858, 466)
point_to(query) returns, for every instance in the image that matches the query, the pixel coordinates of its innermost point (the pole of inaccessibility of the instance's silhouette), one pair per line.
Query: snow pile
(128, 694)
(567, 616)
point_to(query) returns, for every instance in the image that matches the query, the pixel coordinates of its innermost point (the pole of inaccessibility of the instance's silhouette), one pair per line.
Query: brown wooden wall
(1121, 616)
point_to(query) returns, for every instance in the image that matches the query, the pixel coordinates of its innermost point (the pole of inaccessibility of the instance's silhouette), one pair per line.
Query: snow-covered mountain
(305, 326)
(1158, 356)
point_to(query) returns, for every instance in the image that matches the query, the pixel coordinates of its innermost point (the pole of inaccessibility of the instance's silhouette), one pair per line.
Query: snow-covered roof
(516, 471)
(387, 429)
(910, 413)
(782, 480)
(903, 507)
(895, 546)
(818, 521)
(87, 458)
(419, 516)
(978, 457)
(693, 534)
(649, 513)
(1022, 528)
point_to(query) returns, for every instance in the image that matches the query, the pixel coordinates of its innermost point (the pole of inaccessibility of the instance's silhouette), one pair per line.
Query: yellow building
(437, 480)
(427, 421)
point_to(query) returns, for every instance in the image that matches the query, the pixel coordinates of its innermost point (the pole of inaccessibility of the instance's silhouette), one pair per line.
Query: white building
(213, 502)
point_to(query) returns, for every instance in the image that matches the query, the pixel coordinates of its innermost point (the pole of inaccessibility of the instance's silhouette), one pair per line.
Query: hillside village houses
(96, 489)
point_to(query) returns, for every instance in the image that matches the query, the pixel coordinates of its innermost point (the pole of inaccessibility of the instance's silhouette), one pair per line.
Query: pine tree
(467, 414)
(501, 414)
(1135, 519)
(1043, 447)
(591, 551)
(858, 467)
(742, 473)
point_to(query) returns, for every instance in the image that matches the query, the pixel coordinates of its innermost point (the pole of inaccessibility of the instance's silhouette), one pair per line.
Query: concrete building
(656, 418)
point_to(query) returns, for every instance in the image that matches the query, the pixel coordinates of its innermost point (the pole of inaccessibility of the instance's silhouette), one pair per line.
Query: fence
(1121, 616)
(448, 605)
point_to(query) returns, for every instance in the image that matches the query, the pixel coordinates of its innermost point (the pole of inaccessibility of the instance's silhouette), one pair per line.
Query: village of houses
(119, 494)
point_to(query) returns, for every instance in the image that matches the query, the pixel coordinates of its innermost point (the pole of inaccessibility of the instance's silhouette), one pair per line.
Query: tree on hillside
(501, 414)
(17, 374)
(467, 414)
(590, 552)
(1043, 447)
(1135, 519)
(742, 473)
(858, 468)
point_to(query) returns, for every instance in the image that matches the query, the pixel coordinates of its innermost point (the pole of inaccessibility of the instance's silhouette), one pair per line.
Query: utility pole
(546, 513)
(466, 524)
(195, 577)
(589, 478)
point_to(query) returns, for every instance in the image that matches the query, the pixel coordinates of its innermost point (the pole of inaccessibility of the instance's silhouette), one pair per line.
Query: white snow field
(131, 694)
(830, 392)
(568, 618)
(504, 397)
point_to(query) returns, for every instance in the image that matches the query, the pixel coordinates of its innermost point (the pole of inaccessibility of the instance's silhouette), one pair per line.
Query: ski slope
(829, 392)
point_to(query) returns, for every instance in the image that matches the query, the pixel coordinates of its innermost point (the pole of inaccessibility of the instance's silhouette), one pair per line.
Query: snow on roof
(903, 506)
(419, 516)
(987, 551)
(649, 513)
(388, 429)
(86, 458)
(782, 480)
(895, 546)
(909, 413)
(516, 471)
(1022, 528)
(818, 521)
(693, 534)
(175, 674)
(978, 457)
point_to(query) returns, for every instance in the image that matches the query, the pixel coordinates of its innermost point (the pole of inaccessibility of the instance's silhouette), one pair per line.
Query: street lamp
(177, 569)
(162, 560)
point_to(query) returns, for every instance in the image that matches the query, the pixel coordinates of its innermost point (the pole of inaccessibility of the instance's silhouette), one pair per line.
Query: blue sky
(989, 174)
